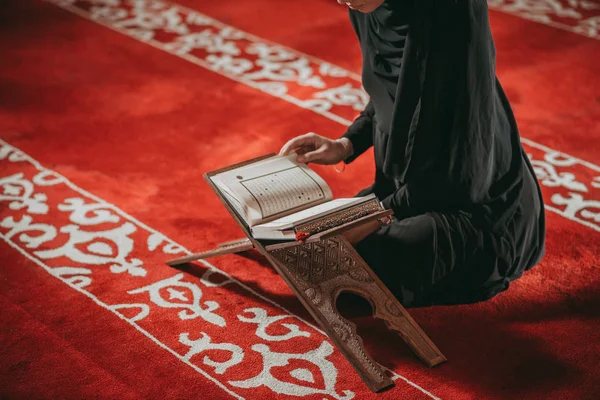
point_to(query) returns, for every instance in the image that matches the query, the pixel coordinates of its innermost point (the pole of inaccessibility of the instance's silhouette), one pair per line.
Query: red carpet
(111, 110)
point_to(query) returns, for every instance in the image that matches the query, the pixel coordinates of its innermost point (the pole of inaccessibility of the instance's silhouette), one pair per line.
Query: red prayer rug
(111, 111)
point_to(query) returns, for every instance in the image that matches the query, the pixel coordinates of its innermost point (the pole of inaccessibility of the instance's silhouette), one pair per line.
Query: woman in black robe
(469, 214)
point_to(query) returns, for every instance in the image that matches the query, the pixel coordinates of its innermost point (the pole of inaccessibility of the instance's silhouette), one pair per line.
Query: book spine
(339, 218)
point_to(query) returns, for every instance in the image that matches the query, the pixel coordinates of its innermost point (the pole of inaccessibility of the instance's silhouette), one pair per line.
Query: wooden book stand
(317, 271)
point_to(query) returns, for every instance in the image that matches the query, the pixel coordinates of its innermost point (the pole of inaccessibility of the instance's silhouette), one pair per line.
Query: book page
(235, 203)
(317, 211)
(283, 190)
(274, 187)
(319, 218)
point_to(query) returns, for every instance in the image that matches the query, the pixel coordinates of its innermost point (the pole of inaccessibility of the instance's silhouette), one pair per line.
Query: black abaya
(449, 163)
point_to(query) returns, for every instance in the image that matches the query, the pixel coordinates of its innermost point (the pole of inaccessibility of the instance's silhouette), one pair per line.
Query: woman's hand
(358, 234)
(364, 6)
(318, 149)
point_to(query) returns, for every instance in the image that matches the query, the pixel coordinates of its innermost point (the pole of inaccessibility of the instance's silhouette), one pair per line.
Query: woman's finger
(312, 156)
(304, 149)
(354, 4)
(306, 140)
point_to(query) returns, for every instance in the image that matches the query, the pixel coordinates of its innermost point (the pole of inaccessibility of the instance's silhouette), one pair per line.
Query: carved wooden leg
(389, 309)
(318, 272)
(398, 319)
(343, 334)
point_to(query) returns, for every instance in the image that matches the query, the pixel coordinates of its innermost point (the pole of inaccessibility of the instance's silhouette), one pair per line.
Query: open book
(276, 195)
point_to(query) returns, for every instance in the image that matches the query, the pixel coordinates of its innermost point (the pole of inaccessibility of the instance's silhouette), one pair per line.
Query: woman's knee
(419, 231)
(404, 251)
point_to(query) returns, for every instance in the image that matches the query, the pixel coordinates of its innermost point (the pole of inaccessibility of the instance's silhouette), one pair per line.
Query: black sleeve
(360, 133)
(401, 203)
